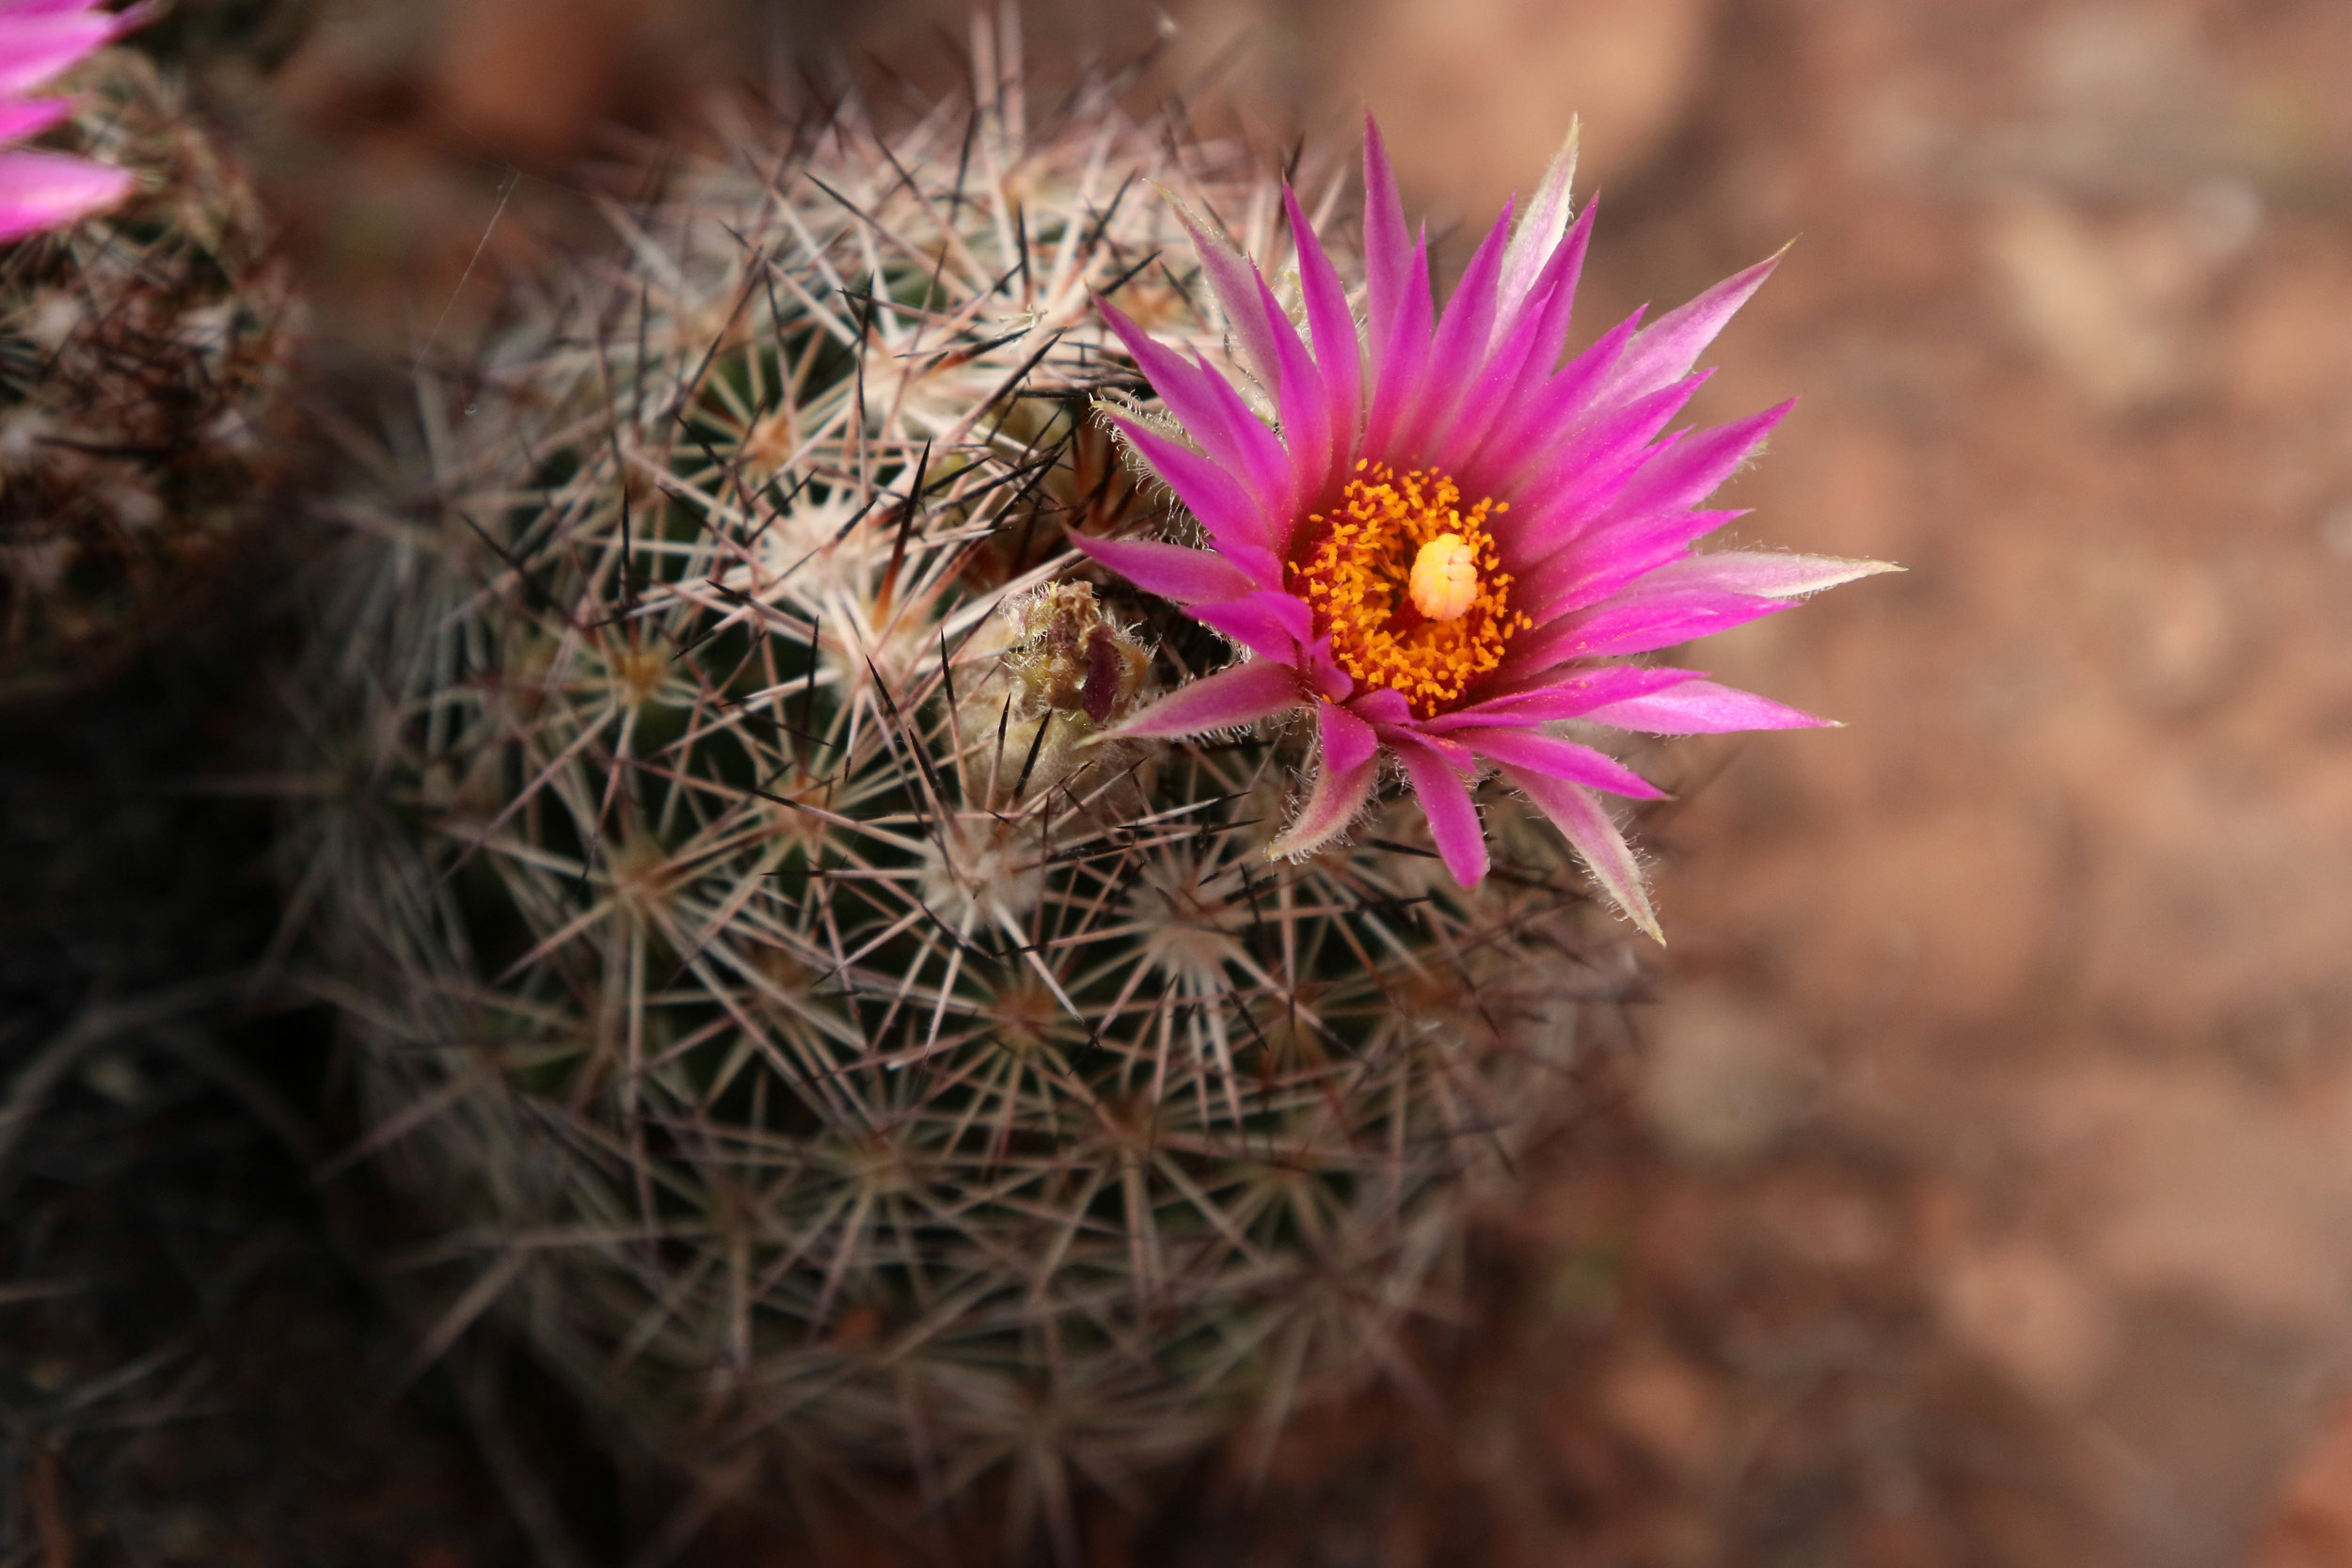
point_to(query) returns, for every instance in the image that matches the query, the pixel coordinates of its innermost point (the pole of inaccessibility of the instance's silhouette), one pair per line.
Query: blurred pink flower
(1447, 540)
(38, 40)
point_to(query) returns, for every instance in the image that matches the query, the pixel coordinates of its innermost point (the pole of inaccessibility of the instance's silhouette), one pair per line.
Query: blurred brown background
(1987, 1195)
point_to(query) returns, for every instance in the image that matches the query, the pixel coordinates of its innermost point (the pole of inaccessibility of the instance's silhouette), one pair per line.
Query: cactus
(143, 360)
(805, 1019)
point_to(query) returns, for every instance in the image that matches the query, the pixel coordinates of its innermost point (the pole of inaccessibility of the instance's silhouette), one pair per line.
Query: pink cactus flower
(1446, 541)
(38, 40)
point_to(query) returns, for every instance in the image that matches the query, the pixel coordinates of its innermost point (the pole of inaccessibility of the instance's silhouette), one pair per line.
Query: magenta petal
(31, 115)
(1533, 751)
(1674, 343)
(1608, 560)
(1261, 567)
(1305, 409)
(37, 45)
(1234, 283)
(1213, 496)
(1527, 435)
(1766, 571)
(124, 20)
(1173, 572)
(1556, 286)
(1274, 624)
(1402, 358)
(1487, 395)
(1572, 696)
(44, 190)
(1582, 474)
(1618, 442)
(1463, 338)
(1348, 742)
(1382, 707)
(1524, 353)
(1467, 325)
(1698, 464)
(1536, 243)
(1639, 625)
(1338, 795)
(1387, 250)
(1447, 749)
(1237, 695)
(1585, 823)
(1701, 707)
(1211, 412)
(1338, 348)
(1322, 673)
(1445, 800)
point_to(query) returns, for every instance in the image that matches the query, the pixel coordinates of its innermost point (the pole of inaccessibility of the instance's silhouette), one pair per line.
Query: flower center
(1408, 585)
(1445, 578)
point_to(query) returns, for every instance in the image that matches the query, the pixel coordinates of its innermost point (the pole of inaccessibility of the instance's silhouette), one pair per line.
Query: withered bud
(1069, 655)
(1063, 669)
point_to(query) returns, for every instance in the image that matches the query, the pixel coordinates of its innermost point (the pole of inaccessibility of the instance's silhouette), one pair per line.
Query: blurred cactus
(810, 1029)
(142, 369)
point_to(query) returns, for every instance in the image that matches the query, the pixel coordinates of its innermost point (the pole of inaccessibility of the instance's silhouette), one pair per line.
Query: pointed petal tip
(1560, 172)
(1609, 860)
(1633, 904)
(1755, 273)
(1841, 571)
(1332, 804)
(1770, 573)
(1630, 903)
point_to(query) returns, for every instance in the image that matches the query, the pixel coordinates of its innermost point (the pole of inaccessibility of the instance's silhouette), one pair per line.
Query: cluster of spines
(826, 1032)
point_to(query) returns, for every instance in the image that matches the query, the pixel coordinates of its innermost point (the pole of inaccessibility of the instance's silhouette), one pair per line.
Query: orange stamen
(1427, 633)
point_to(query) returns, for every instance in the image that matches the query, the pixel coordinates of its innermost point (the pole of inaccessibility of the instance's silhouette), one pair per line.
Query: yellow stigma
(1445, 579)
(1408, 582)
